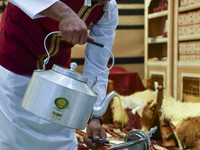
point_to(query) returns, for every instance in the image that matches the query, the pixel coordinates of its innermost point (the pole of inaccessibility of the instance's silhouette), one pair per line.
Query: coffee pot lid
(70, 72)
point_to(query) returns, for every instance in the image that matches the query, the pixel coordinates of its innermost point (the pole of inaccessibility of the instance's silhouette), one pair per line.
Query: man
(23, 27)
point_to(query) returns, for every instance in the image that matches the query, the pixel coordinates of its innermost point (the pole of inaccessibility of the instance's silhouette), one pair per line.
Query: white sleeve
(33, 7)
(96, 58)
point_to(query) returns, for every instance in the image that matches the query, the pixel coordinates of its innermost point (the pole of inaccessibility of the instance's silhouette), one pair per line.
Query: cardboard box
(198, 25)
(183, 19)
(186, 29)
(181, 48)
(191, 29)
(180, 19)
(185, 47)
(195, 57)
(192, 17)
(183, 3)
(196, 29)
(198, 15)
(180, 30)
(191, 2)
(193, 47)
(181, 58)
(198, 47)
(189, 47)
(183, 30)
(198, 57)
(186, 58)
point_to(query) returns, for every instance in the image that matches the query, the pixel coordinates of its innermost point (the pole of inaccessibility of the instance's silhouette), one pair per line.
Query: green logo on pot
(61, 103)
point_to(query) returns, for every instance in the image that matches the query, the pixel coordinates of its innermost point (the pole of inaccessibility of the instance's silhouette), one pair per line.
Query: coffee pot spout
(101, 109)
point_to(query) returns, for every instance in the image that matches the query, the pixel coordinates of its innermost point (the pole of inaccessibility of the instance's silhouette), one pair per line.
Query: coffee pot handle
(46, 60)
(89, 41)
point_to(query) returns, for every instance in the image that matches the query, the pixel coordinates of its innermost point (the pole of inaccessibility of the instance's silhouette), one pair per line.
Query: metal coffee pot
(62, 96)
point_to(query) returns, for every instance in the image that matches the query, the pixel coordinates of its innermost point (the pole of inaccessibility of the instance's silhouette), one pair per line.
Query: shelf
(158, 14)
(157, 63)
(187, 64)
(157, 40)
(159, 48)
(190, 7)
(189, 37)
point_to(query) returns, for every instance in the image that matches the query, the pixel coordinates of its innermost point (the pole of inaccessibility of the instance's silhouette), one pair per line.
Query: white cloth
(21, 130)
(87, 3)
(96, 58)
(33, 7)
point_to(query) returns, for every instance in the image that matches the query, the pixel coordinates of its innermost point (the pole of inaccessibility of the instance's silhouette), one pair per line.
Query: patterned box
(191, 17)
(186, 57)
(182, 57)
(181, 48)
(195, 57)
(191, 29)
(198, 47)
(198, 25)
(194, 46)
(183, 19)
(181, 3)
(184, 30)
(198, 14)
(180, 30)
(191, 2)
(196, 29)
(190, 48)
(185, 48)
(198, 57)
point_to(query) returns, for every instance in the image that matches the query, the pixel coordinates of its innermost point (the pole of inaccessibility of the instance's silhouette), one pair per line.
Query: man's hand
(72, 28)
(95, 130)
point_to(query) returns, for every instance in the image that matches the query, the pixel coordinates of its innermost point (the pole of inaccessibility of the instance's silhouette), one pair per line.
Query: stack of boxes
(189, 51)
(188, 2)
(189, 24)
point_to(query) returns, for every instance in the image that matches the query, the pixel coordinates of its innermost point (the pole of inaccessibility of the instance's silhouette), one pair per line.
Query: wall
(2, 6)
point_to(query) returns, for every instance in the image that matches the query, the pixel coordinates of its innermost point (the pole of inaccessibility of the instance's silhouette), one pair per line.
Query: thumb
(90, 37)
(95, 135)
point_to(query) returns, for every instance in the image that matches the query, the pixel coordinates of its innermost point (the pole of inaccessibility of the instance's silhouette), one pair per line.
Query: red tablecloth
(125, 83)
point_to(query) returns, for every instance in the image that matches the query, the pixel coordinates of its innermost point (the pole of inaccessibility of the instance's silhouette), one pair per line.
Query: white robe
(21, 130)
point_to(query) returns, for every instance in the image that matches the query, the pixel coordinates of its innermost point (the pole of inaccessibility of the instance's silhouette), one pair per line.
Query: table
(125, 83)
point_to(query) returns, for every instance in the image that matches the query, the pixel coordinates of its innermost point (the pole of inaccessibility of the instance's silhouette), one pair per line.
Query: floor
(117, 136)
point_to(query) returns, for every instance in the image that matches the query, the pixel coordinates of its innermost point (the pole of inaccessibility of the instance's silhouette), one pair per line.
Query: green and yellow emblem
(61, 102)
